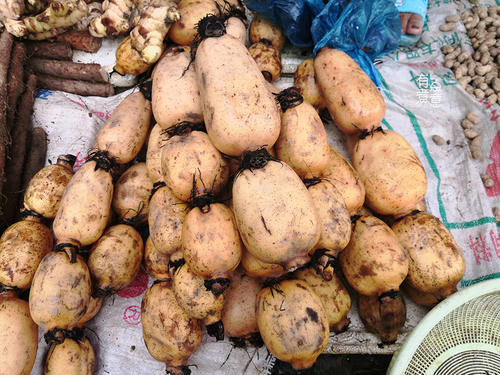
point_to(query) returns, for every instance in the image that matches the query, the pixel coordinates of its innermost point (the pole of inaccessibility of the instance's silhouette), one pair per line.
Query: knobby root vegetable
(155, 262)
(59, 14)
(154, 23)
(114, 20)
(16, 81)
(128, 60)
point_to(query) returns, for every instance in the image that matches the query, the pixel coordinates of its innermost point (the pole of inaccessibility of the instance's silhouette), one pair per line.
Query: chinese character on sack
(412, 55)
(451, 39)
(435, 94)
(426, 49)
(496, 242)
(448, 79)
(479, 249)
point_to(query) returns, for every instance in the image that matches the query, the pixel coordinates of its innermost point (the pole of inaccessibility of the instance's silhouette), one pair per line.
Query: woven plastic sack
(293, 16)
(365, 30)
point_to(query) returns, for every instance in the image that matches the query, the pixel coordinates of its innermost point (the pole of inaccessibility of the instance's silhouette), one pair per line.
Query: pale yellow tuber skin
(152, 27)
(114, 20)
(59, 15)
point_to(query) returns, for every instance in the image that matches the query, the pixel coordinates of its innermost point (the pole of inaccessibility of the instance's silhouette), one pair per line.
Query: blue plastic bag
(293, 16)
(365, 30)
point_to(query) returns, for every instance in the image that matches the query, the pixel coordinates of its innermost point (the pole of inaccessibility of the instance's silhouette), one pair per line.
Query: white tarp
(423, 99)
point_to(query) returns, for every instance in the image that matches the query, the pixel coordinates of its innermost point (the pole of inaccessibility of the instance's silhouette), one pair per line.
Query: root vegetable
(15, 86)
(156, 142)
(373, 239)
(436, 262)
(6, 41)
(49, 50)
(384, 315)
(75, 87)
(93, 309)
(393, 176)
(211, 244)
(238, 316)
(44, 192)
(198, 302)
(263, 29)
(305, 80)
(18, 336)
(191, 12)
(192, 166)
(128, 60)
(183, 104)
(346, 180)
(334, 218)
(281, 239)
(292, 322)
(115, 259)
(165, 218)
(22, 247)
(254, 267)
(333, 295)
(85, 205)
(124, 133)
(302, 143)
(228, 77)
(69, 70)
(80, 40)
(268, 60)
(152, 27)
(59, 14)
(60, 291)
(132, 194)
(70, 358)
(170, 335)
(20, 132)
(114, 20)
(351, 97)
(155, 262)
(35, 160)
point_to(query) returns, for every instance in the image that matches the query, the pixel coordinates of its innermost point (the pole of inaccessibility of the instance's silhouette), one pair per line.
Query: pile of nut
(468, 124)
(478, 73)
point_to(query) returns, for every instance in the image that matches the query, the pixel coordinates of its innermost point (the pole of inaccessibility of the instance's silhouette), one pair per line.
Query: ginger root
(59, 15)
(94, 11)
(114, 20)
(155, 20)
(11, 9)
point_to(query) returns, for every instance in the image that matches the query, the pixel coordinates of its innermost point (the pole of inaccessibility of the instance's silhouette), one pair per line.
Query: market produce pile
(254, 222)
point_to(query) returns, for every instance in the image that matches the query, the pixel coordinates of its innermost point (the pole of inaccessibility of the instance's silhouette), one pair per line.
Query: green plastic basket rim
(404, 354)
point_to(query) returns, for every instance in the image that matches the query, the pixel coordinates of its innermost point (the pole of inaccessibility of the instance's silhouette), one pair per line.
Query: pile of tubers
(255, 222)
